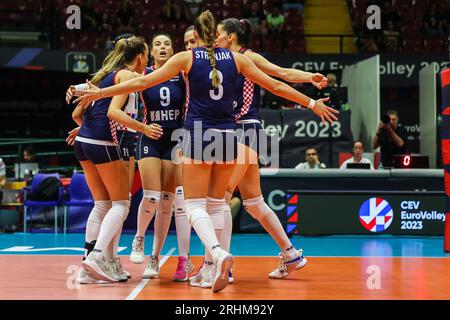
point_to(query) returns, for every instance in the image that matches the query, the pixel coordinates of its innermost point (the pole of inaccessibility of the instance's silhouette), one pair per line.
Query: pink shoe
(184, 267)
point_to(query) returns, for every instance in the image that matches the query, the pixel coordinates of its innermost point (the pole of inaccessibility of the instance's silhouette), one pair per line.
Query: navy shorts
(161, 148)
(252, 135)
(210, 145)
(95, 153)
(127, 144)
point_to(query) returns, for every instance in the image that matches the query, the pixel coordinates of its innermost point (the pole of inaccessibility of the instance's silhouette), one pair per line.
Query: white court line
(143, 282)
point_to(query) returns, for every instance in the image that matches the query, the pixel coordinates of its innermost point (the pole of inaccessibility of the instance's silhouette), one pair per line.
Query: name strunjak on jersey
(219, 55)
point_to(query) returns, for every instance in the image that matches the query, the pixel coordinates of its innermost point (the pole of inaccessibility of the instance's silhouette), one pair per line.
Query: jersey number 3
(219, 89)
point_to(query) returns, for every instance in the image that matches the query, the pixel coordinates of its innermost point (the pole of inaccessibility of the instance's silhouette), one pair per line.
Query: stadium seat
(37, 179)
(79, 195)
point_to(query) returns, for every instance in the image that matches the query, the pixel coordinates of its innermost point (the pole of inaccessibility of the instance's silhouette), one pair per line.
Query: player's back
(212, 106)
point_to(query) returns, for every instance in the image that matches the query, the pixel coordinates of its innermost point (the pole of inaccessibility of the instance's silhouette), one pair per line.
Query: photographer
(391, 138)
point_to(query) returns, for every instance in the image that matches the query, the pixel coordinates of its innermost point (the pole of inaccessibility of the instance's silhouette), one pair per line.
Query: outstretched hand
(86, 97)
(323, 111)
(319, 80)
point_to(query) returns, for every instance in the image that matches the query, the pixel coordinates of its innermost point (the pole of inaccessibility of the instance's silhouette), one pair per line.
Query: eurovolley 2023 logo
(376, 214)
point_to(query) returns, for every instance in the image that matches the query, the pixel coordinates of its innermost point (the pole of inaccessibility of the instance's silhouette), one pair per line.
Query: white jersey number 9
(164, 93)
(219, 89)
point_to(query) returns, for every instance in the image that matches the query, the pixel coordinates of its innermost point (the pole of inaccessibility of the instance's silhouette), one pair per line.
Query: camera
(385, 119)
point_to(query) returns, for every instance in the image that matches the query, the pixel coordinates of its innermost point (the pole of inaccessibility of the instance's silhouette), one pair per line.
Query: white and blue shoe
(288, 265)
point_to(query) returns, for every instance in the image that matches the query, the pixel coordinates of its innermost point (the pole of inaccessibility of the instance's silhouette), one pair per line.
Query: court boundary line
(141, 285)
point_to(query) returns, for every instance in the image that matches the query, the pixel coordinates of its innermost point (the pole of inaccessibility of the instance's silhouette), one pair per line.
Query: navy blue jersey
(163, 103)
(212, 106)
(247, 98)
(96, 124)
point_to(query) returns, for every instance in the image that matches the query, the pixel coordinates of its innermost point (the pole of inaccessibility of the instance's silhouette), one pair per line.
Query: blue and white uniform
(163, 104)
(126, 137)
(246, 112)
(209, 108)
(97, 140)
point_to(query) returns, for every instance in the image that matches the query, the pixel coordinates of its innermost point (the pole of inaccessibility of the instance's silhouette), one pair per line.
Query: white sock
(182, 224)
(116, 243)
(259, 210)
(98, 212)
(150, 202)
(202, 224)
(225, 243)
(214, 207)
(111, 224)
(162, 222)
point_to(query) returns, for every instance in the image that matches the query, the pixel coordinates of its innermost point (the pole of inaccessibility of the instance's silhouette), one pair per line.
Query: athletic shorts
(212, 145)
(251, 134)
(161, 148)
(127, 144)
(96, 153)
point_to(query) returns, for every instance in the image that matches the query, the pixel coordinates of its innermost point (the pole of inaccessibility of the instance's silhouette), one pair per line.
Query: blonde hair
(125, 51)
(206, 27)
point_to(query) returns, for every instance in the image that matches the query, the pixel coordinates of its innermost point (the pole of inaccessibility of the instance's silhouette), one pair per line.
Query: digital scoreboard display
(400, 213)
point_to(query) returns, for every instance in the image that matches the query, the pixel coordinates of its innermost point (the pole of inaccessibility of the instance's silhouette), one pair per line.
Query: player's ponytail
(125, 51)
(242, 28)
(206, 27)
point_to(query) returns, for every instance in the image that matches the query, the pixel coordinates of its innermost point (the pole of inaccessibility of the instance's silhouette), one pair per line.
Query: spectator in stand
(294, 5)
(28, 154)
(90, 19)
(275, 21)
(312, 160)
(257, 18)
(368, 38)
(332, 81)
(105, 25)
(388, 13)
(433, 20)
(172, 9)
(358, 150)
(125, 18)
(391, 37)
(192, 8)
(2, 174)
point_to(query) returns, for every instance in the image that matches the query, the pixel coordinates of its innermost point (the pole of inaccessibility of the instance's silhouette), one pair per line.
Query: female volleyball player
(99, 156)
(235, 34)
(212, 74)
(163, 104)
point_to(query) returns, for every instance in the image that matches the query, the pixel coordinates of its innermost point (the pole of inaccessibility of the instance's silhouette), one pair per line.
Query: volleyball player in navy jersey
(163, 104)
(235, 34)
(99, 155)
(212, 74)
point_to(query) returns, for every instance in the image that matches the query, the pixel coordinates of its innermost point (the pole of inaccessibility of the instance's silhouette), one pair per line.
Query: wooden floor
(52, 277)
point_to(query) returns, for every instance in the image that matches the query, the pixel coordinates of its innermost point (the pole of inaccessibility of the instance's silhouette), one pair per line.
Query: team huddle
(209, 93)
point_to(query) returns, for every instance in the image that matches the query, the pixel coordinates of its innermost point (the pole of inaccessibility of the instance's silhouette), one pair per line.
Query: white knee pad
(215, 209)
(257, 208)
(151, 200)
(179, 206)
(98, 212)
(166, 204)
(196, 209)
(121, 209)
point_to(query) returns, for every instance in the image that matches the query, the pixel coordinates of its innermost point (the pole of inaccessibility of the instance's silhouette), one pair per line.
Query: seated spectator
(28, 154)
(294, 5)
(2, 173)
(433, 20)
(332, 80)
(275, 21)
(389, 14)
(172, 9)
(192, 8)
(312, 160)
(257, 18)
(358, 150)
(368, 39)
(105, 25)
(390, 37)
(90, 19)
(125, 18)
